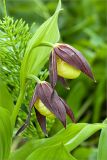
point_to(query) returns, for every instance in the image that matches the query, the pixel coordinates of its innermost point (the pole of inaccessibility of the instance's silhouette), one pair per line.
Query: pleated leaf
(5, 133)
(63, 136)
(102, 147)
(57, 152)
(36, 57)
(6, 100)
(71, 137)
(84, 134)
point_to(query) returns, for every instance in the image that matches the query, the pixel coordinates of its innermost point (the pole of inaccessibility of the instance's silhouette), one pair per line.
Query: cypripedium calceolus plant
(24, 55)
(67, 62)
(47, 103)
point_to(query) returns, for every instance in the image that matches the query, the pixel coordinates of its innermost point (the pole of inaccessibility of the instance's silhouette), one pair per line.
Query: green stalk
(31, 76)
(47, 44)
(5, 11)
(17, 107)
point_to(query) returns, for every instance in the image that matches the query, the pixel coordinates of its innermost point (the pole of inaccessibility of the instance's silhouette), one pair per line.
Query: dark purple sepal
(69, 111)
(42, 121)
(44, 93)
(52, 101)
(53, 69)
(59, 109)
(34, 97)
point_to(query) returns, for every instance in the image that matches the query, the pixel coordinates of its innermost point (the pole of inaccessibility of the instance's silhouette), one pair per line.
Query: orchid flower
(67, 62)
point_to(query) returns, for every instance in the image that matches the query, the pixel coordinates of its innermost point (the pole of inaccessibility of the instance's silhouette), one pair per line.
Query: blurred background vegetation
(82, 24)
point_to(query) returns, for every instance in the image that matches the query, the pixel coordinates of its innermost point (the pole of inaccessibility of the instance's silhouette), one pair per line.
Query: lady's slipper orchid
(67, 62)
(47, 103)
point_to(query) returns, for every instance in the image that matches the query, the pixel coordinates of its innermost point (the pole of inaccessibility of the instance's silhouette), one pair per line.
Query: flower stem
(17, 107)
(5, 12)
(48, 44)
(31, 76)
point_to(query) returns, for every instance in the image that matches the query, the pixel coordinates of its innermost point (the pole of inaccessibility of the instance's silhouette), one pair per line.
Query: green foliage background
(82, 24)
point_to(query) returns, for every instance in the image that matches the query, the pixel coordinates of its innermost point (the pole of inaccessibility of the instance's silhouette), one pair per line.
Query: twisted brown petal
(42, 121)
(53, 69)
(73, 57)
(23, 127)
(34, 98)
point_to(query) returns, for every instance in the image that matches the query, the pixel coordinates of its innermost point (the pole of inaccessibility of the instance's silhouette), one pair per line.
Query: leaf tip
(58, 6)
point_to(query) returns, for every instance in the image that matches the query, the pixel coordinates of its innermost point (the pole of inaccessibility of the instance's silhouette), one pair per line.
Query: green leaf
(6, 100)
(51, 153)
(76, 96)
(5, 133)
(23, 152)
(102, 147)
(63, 136)
(85, 133)
(71, 137)
(36, 57)
(66, 134)
(85, 153)
(99, 99)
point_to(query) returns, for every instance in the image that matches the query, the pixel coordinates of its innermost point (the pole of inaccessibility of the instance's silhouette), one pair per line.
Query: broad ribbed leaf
(63, 136)
(5, 97)
(77, 90)
(99, 97)
(85, 153)
(102, 147)
(5, 133)
(36, 57)
(23, 152)
(85, 133)
(57, 152)
(71, 137)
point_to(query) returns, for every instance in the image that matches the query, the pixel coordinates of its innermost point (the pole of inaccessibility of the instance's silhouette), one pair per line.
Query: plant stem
(31, 76)
(48, 44)
(5, 12)
(17, 107)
